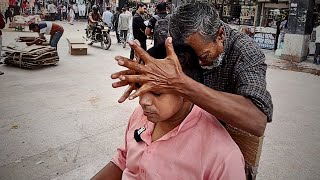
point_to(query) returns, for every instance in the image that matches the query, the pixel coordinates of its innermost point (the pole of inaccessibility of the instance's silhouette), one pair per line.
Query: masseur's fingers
(127, 93)
(135, 78)
(119, 84)
(125, 72)
(143, 89)
(141, 53)
(171, 54)
(122, 61)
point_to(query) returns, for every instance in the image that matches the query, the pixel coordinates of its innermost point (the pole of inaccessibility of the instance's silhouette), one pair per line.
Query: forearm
(232, 109)
(148, 31)
(110, 172)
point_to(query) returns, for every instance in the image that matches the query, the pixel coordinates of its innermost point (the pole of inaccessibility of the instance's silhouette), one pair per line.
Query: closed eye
(156, 94)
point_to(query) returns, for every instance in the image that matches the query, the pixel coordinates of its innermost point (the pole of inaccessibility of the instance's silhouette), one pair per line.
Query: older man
(234, 70)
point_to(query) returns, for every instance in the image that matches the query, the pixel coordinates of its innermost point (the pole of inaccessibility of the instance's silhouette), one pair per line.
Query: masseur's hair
(194, 17)
(187, 58)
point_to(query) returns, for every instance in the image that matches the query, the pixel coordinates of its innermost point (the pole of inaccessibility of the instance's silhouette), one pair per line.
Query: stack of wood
(29, 39)
(31, 57)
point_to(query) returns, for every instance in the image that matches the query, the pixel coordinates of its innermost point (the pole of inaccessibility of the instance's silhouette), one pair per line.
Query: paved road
(64, 122)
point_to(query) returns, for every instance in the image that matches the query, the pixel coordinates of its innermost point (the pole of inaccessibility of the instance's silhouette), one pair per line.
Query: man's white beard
(215, 63)
(208, 67)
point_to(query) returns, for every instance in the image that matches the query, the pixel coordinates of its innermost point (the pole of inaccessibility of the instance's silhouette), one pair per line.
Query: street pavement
(64, 122)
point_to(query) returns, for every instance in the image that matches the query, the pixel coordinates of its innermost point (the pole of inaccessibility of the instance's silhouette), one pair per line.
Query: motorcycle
(101, 34)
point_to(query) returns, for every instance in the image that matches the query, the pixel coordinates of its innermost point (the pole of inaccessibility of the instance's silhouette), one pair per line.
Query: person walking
(138, 27)
(115, 22)
(71, 15)
(52, 11)
(2, 25)
(59, 12)
(76, 11)
(107, 17)
(123, 26)
(8, 15)
(317, 52)
(64, 12)
(158, 25)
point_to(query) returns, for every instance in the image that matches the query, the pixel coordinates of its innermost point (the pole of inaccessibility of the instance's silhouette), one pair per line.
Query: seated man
(54, 30)
(168, 137)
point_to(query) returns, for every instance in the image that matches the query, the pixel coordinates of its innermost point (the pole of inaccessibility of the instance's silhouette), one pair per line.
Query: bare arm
(110, 172)
(148, 32)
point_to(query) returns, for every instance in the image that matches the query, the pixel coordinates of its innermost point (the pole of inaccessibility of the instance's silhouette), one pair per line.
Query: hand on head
(154, 75)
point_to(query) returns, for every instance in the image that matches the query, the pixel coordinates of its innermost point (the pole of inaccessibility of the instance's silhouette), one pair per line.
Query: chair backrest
(250, 146)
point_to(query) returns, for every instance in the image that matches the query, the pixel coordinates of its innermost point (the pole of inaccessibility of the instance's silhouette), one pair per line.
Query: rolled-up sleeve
(251, 79)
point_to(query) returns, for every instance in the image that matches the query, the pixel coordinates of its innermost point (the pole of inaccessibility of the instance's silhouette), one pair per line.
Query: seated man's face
(161, 107)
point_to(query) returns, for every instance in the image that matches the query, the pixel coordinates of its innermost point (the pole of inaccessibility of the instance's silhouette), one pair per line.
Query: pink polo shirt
(199, 148)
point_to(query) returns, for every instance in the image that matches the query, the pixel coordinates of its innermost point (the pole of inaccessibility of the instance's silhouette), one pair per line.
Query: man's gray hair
(194, 17)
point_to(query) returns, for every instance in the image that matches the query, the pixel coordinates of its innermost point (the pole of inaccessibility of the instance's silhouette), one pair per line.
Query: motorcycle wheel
(106, 41)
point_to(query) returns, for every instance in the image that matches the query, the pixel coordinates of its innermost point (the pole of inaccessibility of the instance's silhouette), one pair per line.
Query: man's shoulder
(216, 135)
(246, 49)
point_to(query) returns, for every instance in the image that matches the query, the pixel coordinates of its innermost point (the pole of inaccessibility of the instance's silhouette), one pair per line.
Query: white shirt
(107, 17)
(64, 9)
(318, 34)
(46, 30)
(75, 8)
(52, 8)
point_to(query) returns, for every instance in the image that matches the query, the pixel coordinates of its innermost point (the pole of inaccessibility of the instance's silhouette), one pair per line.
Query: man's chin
(207, 67)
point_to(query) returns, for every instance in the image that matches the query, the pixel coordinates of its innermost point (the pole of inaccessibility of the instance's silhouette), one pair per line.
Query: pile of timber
(31, 57)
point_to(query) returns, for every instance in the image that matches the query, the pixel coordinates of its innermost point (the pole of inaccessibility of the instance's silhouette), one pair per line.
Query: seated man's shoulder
(217, 136)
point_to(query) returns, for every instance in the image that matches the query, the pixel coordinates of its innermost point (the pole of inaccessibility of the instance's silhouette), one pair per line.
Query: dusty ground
(64, 122)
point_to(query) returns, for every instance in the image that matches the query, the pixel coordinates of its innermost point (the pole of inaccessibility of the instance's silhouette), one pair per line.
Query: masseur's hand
(157, 75)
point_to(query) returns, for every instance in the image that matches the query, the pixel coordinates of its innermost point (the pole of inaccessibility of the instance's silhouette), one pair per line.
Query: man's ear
(220, 34)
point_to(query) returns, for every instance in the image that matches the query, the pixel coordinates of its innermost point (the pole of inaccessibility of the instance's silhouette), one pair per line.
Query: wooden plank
(75, 41)
(79, 46)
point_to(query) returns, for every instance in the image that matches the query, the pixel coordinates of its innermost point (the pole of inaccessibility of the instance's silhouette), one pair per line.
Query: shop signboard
(265, 37)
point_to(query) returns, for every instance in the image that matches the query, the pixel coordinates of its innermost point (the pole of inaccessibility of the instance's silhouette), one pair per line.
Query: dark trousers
(10, 19)
(53, 16)
(64, 14)
(123, 35)
(317, 52)
(143, 45)
(117, 34)
(76, 16)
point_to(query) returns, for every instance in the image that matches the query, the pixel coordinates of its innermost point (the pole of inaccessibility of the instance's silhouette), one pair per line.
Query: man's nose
(145, 99)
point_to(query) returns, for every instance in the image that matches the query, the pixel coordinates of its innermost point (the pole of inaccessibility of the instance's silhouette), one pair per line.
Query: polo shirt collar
(190, 121)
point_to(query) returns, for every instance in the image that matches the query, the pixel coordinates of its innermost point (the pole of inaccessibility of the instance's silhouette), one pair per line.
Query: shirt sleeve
(231, 168)
(43, 30)
(251, 77)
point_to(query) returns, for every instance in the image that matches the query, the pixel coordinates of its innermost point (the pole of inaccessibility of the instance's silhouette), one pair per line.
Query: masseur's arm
(167, 76)
(110, 172)
(232, 109)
